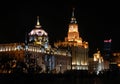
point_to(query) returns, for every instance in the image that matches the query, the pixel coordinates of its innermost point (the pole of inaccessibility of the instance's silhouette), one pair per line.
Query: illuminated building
(36, 52)
(48, 58)
(116, 58)
(107, 49)
(98, 62)
(115, 63)
(106, 53)
(77, 47)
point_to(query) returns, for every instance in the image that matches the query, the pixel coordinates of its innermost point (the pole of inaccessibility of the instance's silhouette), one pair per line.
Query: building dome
(38, 32)
(38, 35)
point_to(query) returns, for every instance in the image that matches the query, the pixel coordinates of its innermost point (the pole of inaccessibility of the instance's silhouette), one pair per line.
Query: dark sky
(97, 20)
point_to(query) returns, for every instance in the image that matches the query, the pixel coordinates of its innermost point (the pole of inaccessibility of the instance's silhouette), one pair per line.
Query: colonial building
(36, 52)
(75, 44)
(97, 63)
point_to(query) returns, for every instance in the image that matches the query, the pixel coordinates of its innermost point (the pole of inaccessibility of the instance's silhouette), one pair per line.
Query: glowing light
(39, 32)
(109, 41)
(78, 63)
(118, 65)
(73, 63)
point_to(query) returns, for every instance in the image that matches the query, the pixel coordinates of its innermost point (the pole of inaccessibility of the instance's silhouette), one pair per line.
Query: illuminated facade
(53, 59)
(98, 62)
(77, 47)
(115, 60)
(14, 49)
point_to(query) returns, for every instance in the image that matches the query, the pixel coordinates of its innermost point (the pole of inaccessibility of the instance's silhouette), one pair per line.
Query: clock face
(71, 28)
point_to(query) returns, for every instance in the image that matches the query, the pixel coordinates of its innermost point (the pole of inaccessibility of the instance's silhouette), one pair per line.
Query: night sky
(97, 21)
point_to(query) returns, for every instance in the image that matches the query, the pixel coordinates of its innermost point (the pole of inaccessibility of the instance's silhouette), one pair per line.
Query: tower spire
(38, 23)
(73, 12)
(73, 19)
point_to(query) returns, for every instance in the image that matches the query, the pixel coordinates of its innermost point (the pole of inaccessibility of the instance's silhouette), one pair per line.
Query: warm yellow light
(85, 63)
(118, 65)
(97, 56)
(73, 63)
(78, 63)
(82, 63)
(95, 59)
(38, 42)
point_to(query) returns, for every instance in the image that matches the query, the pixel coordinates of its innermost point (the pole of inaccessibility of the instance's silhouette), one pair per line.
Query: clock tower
(74, 43)
(73, 34)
